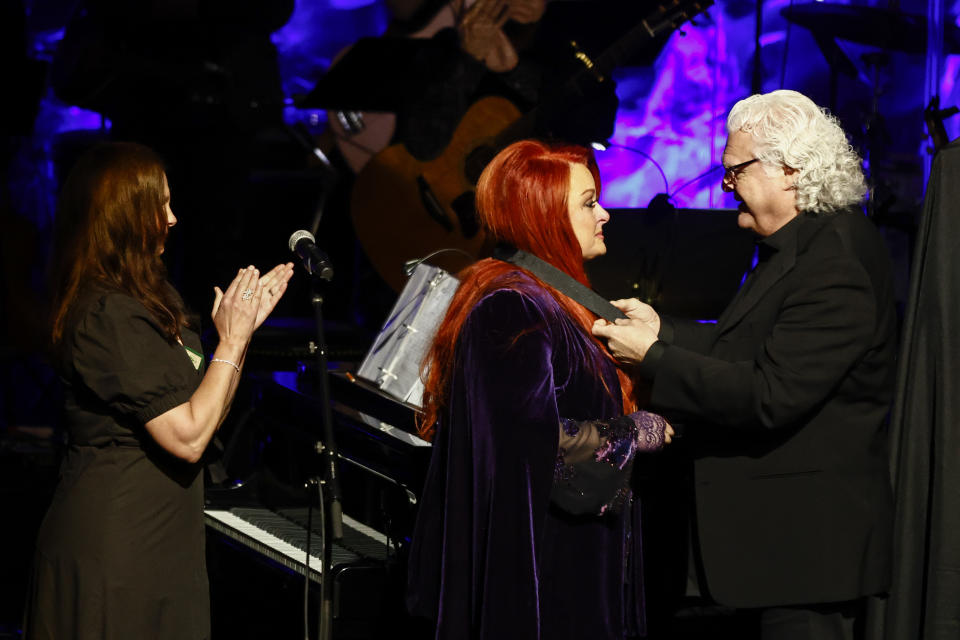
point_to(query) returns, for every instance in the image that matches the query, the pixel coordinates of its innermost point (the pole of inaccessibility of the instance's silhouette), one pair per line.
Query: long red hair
(111, 225)
(522, 200)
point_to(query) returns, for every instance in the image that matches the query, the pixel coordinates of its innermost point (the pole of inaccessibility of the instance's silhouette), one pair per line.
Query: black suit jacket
(786, 399)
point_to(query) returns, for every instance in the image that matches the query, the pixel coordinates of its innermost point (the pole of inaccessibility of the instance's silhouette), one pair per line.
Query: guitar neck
(666, 17)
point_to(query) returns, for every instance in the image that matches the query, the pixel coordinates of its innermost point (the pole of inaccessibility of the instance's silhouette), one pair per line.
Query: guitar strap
(559, 281)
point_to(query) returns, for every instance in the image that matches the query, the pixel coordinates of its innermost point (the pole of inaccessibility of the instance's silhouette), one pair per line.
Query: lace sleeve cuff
(595, 459)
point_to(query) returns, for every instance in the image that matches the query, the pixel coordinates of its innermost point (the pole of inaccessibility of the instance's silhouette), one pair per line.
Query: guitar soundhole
(476, 161)
(463, 206)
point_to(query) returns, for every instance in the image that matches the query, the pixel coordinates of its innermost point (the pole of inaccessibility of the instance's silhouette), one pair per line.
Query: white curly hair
(789, 129)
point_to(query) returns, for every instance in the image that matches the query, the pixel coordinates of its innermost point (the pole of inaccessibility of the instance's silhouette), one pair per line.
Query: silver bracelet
(232, 364)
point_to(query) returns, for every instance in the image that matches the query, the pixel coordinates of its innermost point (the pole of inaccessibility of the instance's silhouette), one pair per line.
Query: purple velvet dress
(516, 536)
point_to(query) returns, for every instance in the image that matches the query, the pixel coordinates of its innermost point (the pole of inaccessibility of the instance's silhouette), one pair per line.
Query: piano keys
(265, 582)
(282, 538)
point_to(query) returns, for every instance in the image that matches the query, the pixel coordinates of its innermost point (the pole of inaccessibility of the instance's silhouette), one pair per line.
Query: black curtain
(924, 602)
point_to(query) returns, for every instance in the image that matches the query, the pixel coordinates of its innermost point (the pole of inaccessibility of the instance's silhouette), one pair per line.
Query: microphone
(315, 261)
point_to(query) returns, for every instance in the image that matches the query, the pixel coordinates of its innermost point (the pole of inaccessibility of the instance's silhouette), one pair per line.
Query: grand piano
(263, 518)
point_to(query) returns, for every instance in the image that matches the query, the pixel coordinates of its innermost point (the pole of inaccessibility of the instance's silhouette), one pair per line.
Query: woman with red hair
(527, 527)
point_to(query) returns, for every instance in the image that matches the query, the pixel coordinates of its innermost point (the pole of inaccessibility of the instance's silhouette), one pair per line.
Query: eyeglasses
(730, 174)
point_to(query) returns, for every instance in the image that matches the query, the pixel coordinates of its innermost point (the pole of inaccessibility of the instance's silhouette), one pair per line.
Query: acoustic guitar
(404, 209)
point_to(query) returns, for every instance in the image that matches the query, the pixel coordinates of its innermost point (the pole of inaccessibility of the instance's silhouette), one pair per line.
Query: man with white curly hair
(785, 398)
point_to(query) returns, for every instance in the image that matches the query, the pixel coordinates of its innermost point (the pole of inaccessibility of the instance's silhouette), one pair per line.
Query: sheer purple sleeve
(596, 457)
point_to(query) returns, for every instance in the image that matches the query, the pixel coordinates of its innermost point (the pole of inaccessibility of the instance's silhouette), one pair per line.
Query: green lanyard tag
(195, 358)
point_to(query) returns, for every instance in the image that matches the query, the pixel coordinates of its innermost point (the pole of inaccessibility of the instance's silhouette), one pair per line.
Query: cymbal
(879, 27)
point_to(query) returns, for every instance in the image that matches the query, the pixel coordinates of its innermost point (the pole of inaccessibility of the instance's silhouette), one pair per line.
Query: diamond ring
(247, 294)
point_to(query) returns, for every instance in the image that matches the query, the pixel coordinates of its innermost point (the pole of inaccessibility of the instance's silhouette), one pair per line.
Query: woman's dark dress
(120, 553)
(492, 555)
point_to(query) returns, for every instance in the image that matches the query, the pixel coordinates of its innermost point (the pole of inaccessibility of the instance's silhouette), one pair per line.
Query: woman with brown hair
(527, 527)
(120, 553)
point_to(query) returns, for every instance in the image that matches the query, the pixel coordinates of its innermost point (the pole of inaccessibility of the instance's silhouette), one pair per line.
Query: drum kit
(887, 31)
(887, 28)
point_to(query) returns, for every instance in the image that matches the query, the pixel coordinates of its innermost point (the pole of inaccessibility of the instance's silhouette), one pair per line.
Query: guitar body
(403, 208)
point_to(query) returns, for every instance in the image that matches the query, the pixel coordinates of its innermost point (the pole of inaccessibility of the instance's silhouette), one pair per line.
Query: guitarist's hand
(482, 38)
(527, 11)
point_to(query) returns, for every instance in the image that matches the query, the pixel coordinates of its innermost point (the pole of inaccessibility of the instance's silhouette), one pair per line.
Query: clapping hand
(235, 310)
(250, 298)
(274, 284)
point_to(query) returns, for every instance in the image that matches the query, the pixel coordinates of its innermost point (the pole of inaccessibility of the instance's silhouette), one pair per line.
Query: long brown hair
(110, 229)
(521, 200)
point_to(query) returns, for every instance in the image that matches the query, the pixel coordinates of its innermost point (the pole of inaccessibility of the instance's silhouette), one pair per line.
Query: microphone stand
(327, 448)
(333, 523)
